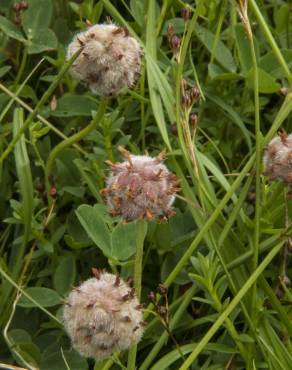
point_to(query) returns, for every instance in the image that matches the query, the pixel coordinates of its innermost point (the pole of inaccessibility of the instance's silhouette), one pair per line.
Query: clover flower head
(103, 316)
(277, 158)
(110, 59)
(140, 187)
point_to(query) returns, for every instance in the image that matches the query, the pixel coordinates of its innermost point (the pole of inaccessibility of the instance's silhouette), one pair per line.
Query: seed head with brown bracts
(278, 158)
(103, 316)
(110, 59)
(140, 187)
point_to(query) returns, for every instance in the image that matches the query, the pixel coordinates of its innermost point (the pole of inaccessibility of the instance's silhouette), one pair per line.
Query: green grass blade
(25, 183)
(254, 276)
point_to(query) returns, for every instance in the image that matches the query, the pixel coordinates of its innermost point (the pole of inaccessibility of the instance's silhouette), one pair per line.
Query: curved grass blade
(241, 293)
(23, 171)
(25, 184)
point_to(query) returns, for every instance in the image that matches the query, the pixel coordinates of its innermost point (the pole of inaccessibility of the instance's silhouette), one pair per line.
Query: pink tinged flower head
(103, 316)
(110, 59)
(140, 187)
(278, 158)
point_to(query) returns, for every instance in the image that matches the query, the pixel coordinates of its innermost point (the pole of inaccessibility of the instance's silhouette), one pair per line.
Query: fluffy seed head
(103, 316)
(110, 60)
(140, 187)
(278, 158)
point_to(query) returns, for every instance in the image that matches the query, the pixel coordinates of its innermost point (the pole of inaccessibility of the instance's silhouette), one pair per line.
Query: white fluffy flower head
(110, 60)
(278, 158)
(103, 316)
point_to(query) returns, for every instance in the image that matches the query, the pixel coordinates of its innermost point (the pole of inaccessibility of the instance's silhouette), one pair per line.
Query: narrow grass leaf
(233, 304)
(24, 175)
(243, 48)
(174, 355)
(156, 90)
(231, 113)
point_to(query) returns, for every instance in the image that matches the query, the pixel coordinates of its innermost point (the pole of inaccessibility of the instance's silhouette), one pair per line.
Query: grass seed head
(97, 318)
(110, 60)
(278, 158)
(141, 187)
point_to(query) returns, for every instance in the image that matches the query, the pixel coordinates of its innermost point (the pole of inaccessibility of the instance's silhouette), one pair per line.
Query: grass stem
(233, 304)
(142, 229)
(40, 104)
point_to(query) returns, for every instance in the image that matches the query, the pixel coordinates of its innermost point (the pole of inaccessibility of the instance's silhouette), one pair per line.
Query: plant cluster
(141, 138)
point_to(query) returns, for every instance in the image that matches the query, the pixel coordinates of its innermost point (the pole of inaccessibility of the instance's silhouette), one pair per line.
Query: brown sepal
(81, 43)
(117, 281)
(96, 272)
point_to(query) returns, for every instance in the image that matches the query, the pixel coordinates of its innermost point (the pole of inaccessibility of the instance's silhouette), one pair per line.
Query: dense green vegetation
(224, 255)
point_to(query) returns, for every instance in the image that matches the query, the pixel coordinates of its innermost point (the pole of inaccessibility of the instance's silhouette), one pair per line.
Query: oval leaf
(45, 39)
(10, 29)
(267, 83)
(36, 17)
(92, 221)
(65, 274)
(124, 240)
(44, 296)
(74, 105)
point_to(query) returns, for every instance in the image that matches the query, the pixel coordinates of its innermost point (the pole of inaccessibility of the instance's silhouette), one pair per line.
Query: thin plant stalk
(38, 116)
(21, 67)
(281, 116)
(243, 12)
(276, 305)
(142, 229)
(31, 299)
(194, 245)
(265, 28)
(183, 132)
(233, 304)
(10, 344)
(70, 141)
(24, 175)
(26, 187)
(40, 104)
(182, 117)
(161, 341)
(18, 91)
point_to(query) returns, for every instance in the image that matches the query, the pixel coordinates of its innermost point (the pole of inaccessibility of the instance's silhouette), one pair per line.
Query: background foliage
(224, 255)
